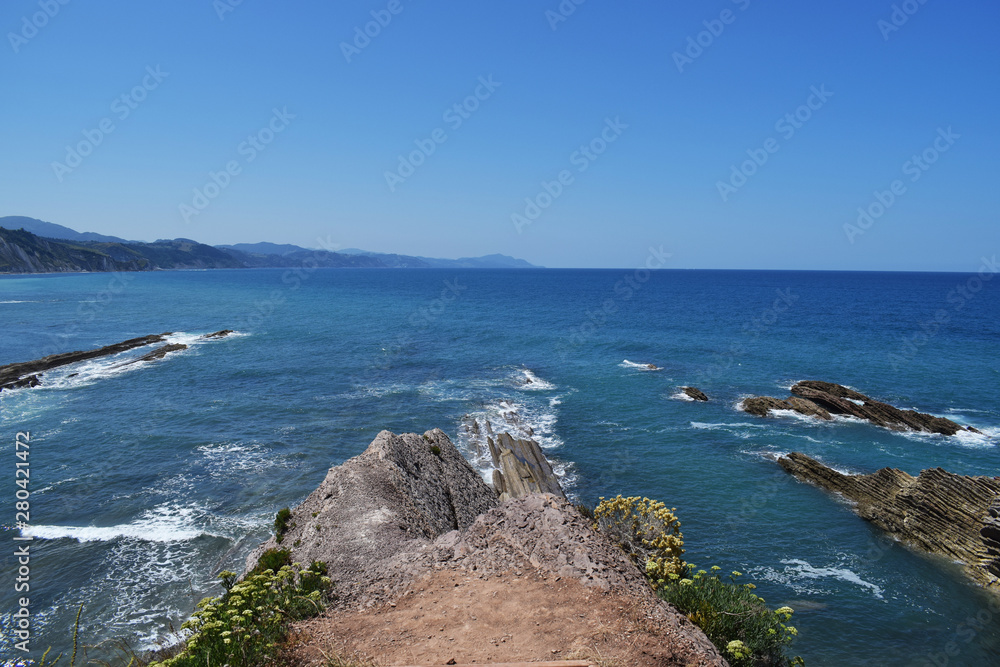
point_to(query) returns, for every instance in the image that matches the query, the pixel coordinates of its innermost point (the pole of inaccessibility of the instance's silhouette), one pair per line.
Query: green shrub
(245, 625)
(281, 524)
(647, 531)
(735, 619)
(273, 559)
(435, 450)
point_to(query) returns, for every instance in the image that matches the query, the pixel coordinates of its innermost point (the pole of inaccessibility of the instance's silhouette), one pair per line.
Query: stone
(695, 393)
(955, 516)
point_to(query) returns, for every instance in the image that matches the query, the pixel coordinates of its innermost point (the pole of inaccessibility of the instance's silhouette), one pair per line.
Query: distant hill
(263, 248)
(24, 252)
(28, 245)
(54, 231)
(495, 261)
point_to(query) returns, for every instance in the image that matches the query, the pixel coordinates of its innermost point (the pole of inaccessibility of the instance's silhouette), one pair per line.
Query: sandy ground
(451, 616)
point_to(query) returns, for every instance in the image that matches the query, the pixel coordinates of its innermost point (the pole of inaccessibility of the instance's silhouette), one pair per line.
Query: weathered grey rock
(521, 468)
(824, 399)
(158, 353)
(840, 400)
(695, 393)
(806, 407)
(762, 405)
(952, 515)
(399, 494)
(16, 375)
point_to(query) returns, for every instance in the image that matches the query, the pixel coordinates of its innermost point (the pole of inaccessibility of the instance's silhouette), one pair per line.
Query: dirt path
(450, 615)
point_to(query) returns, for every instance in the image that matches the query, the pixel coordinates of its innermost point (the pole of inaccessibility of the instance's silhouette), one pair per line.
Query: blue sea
(147, 480)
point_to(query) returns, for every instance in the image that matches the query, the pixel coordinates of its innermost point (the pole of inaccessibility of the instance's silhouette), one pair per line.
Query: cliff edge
(431, 566)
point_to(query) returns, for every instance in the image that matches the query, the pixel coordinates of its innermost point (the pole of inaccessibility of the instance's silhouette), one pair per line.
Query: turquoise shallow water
(149, 480)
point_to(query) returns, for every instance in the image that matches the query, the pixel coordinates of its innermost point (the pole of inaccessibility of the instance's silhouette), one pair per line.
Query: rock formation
(398, 495)
(26, 374)
(824, 399)
(695, 393)
(410, 524)
(521, 468)
(952, 515)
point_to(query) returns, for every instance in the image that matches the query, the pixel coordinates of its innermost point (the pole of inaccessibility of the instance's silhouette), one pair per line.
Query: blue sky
(662, 133)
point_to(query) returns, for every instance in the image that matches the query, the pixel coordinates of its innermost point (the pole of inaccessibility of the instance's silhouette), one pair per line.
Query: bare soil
(456, 615)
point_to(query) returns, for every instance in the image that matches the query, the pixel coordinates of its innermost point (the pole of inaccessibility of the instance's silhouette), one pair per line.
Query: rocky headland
(822, 400)
(432, 565)
(951, 515)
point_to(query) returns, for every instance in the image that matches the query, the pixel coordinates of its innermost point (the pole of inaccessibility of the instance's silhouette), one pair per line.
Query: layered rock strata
(955, 516)
(824, 399)
(521, 468)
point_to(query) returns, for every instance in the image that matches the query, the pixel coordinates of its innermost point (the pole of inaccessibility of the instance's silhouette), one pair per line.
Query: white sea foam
(160, 524)
(803, 570)
(681, 396)
(530, 381)
(725, 426)
(1, 302)
(639, 366)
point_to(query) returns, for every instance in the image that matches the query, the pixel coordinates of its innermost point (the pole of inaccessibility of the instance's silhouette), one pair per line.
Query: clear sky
(667, 98)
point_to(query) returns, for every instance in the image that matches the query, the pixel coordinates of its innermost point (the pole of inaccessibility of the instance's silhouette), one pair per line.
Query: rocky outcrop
(399, 495)
(410, 513)
(13, 374)
(26, 374)
(824, 399)
(695, 393)
(940, 512)
(521, 468)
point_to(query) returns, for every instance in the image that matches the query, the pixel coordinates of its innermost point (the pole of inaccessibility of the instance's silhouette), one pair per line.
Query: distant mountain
(28, 245)
(54, 231)
(495, 261)
(24, 252)
(263, 248)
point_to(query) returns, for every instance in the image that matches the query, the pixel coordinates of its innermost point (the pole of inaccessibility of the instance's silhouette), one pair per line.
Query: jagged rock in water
(219, 334)
(695, 393)
(158, 353)
(991, 537)
(806, 407)
(762, 405)
(952, 515)
(824, 399)
(401, 493)
(840, 400)
(15, 375)
(521, 468)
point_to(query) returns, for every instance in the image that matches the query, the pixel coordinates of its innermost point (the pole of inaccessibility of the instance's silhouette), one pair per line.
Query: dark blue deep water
(147, 481)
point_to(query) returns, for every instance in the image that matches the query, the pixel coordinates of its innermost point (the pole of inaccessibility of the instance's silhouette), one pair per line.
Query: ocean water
(147, 480)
